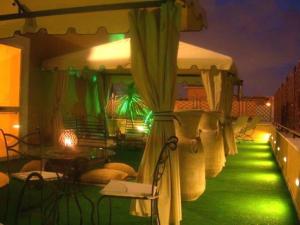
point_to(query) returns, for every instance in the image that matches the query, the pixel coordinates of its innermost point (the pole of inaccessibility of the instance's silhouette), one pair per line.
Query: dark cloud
(263, 37)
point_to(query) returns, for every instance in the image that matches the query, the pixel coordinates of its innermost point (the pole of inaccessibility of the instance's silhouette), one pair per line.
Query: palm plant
(131, 104)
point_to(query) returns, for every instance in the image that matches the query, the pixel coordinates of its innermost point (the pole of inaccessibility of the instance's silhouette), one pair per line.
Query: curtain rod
(94, 8)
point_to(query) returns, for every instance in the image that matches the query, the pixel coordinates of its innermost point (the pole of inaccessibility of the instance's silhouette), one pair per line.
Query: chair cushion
(102, 176)
(4, 180)
(33, 165)
(122, 167)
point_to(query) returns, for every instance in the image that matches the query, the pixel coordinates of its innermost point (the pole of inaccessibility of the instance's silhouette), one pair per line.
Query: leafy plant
(131, 104)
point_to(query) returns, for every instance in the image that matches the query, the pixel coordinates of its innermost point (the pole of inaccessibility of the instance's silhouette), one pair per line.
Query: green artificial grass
(249, 191)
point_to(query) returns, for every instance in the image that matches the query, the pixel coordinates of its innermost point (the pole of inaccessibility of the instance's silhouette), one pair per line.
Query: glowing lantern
(278, 148)
(68, 139)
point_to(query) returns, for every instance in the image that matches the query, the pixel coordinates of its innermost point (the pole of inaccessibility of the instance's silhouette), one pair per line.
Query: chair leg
(110, 210)
(157, 212)
(91, 203)
(97, 208)
(79, 208)
(4, 198)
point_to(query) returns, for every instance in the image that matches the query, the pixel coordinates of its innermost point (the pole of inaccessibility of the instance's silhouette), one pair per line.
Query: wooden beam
(83, 9)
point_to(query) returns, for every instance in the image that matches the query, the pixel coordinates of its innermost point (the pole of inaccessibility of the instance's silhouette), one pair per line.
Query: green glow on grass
(272, 207)
(256, 146)
(258, 154)
(259, 178)
(258, 163)
(266, 177)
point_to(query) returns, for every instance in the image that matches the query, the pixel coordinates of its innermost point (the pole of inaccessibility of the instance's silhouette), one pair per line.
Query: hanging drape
(154, 46)
(227, 97)
(61, 83)
(81, 86)
(212, 81)
(104, 87)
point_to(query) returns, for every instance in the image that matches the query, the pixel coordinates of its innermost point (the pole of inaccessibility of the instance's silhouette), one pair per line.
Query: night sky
(263, 37)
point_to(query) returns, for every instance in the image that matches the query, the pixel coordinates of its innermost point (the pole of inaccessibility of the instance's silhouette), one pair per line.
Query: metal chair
(4, 182)
(14, 147)
(239, 124)
(123, 189)
(246, 133)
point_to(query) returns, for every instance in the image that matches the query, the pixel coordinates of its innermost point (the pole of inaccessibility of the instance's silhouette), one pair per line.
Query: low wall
(287, 153)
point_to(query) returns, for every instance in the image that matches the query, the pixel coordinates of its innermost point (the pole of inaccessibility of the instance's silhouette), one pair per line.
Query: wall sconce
(285, 159)
(68, 138)
(278, 148)
(16, 126)
(274, 142)
(268, 104)
(297, 182)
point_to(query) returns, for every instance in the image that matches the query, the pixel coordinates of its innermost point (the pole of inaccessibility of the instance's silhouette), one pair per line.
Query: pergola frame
(23, 12)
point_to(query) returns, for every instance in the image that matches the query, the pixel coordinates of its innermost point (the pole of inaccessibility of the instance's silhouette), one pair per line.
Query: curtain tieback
(164, 116)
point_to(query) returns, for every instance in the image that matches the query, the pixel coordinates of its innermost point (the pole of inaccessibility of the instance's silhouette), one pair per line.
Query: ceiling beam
(82, 9)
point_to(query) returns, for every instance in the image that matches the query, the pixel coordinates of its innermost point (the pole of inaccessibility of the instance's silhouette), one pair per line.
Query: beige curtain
(61, 82)
(212, 81)
(104, 86)
(79, 109)
(154, 46)
(227, 97)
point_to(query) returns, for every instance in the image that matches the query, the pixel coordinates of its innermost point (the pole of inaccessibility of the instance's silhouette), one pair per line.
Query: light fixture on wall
(16, 126)
(68, 138)
(278, 148)
(268, 104)
(297, 182)
(285, 159)
(274, 142)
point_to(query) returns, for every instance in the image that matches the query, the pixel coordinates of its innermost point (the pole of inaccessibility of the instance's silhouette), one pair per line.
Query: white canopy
(117, 54)
(57, 16)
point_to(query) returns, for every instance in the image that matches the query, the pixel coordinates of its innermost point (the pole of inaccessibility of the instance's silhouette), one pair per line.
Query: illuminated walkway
(249, 191)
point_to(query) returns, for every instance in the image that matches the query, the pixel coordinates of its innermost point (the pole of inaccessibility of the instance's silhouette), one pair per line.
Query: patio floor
(250, 190)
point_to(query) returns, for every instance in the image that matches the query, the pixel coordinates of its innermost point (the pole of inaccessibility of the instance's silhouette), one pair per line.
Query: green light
(267, 206)
(131, 105)
(258, 155)
(116, 37)
(260, 178)
(257, 163)
(94, 78)
(255, 146)
(266, 177)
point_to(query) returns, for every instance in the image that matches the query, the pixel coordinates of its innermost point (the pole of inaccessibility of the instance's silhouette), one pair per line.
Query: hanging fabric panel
(61, 84)
(154, 46)
(211, 131)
